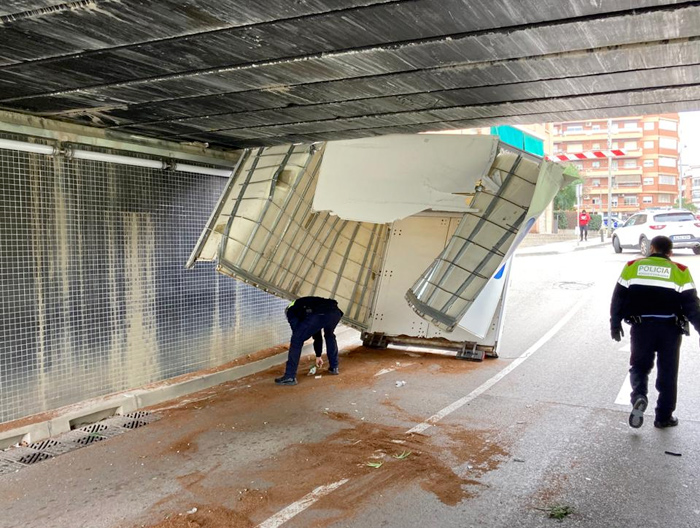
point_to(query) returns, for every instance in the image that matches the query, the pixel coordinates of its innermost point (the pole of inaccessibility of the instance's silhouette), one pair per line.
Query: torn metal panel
(392, 177)
(265, 231)
(448, 288)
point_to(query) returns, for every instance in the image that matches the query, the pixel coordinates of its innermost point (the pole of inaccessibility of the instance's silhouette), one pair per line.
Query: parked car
(679, 225)
(616, 222)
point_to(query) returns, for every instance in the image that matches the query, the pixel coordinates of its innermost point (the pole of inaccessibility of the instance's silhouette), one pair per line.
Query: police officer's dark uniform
(308, 316)
(657, 297)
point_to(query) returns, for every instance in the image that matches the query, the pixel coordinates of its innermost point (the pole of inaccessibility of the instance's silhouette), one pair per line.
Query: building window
(665, 124)
(649, 125)
(574, 147)
(595, 182)
(647, 199)
(630, 145)
(648, 144)
(614, 201)
(614, 164)
(629, 164)
(664, 198)
(668, 143)
(595, 201)
(630, 125)
(648, 181)
(595, 164)
(596, 146)
(648, 163)
(596, 127)
(574, 129)
(667, 162)
(615, 145)
(665, 179)
(631, 200)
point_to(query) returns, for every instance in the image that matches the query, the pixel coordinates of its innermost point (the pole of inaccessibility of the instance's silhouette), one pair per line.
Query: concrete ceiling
(240, 73)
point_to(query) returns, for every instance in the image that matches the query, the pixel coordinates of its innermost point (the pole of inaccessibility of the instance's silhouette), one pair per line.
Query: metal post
(608, 229)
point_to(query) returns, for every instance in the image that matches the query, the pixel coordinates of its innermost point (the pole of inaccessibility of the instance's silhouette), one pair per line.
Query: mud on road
(283, 461)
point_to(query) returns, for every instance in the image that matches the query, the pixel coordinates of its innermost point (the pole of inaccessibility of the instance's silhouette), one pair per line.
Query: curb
(559, 251)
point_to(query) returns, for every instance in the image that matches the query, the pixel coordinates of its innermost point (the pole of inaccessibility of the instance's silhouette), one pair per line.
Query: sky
(689, 133)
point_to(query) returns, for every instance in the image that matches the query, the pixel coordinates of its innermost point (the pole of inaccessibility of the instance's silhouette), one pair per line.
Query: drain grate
(573, 285)
(24, 455)
(52, 447)
(143, 416)
(19, 457)
(33, 458)
(125, 422)
(132, 420)
(104, 429)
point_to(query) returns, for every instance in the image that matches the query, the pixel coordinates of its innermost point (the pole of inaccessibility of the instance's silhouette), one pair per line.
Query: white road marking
(299, 506)
(623, 397)
(502, 374)
(296, 508)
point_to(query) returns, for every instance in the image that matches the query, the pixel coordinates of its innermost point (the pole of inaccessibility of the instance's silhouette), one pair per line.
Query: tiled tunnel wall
(95, 296)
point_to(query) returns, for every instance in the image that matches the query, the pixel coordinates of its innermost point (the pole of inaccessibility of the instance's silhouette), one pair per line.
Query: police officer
(657, 297)
(308, 316)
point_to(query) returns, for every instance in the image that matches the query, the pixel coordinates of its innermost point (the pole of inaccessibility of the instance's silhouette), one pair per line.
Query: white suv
(677, 224)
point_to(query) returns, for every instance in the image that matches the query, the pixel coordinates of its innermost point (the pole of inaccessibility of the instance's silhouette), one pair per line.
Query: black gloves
(616, 333)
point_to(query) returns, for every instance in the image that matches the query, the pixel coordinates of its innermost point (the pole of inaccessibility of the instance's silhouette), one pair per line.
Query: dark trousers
(584, 231)
(311, 326)
(663, 338)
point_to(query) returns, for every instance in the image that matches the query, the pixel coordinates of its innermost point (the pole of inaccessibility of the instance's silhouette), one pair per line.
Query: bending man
(308, 316)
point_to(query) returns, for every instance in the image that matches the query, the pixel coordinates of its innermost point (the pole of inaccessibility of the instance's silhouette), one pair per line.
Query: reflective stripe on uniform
(656, 272)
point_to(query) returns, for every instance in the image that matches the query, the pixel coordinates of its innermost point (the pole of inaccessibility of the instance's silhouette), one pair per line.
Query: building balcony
(603, 172)
(616, 191)
(602, 135)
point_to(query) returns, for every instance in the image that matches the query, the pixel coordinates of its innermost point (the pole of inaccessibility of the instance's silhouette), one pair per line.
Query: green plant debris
(558, 511)
(375, 465)
(403, 455)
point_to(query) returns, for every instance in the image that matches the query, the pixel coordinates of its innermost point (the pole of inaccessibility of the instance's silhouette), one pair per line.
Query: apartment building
(645, 177)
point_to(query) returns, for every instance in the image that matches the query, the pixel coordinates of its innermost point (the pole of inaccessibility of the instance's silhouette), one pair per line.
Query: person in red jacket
(583, 220)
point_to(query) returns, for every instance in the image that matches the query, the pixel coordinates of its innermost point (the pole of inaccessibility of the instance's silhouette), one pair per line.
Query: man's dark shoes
(286, 381)
(669, 422)
(637, 415)
(334, 371)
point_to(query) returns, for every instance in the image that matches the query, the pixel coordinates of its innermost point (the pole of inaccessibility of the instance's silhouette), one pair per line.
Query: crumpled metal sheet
(265, 232)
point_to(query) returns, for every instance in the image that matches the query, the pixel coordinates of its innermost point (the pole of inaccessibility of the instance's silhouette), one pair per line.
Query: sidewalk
(557, 246)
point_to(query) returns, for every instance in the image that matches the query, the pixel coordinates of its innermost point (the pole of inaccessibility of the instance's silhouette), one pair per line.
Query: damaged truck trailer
(413, 235)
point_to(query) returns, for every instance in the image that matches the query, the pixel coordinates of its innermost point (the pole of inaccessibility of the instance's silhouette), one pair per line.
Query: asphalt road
(542, 427)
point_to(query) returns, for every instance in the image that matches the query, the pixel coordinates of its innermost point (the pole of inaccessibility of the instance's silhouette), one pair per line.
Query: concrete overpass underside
(234, 73)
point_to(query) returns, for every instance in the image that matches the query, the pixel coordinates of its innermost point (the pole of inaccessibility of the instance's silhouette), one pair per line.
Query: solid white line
(502, 374)
(299, 506)
(623, 397)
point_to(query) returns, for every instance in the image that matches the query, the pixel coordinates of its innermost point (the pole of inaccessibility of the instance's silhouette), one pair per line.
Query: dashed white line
(623, 397)
(299, 506)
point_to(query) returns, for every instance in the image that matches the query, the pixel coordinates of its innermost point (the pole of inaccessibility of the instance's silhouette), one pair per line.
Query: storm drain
(19, 457)
(573, 285)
